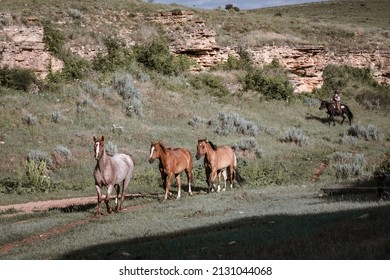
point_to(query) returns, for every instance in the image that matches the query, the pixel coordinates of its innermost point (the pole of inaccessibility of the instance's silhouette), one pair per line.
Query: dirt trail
(50, 204)
(29, 207)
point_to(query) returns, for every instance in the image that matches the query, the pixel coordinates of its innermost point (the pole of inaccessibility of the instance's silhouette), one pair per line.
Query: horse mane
(164, 149)
(215, 147)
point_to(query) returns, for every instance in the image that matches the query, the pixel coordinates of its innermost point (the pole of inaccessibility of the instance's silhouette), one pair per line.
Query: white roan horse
(111, 171)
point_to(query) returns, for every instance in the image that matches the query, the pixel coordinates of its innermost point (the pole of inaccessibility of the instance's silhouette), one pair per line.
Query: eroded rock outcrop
(22, 46)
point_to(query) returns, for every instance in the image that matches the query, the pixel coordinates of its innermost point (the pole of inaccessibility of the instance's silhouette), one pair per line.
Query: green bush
(243, 62)
(210, 84)
(338, 77)
(17, 78)
(118, 56)
(53, 38)
(156, 56)
(271, 81)
(34, 180)
(377, 97)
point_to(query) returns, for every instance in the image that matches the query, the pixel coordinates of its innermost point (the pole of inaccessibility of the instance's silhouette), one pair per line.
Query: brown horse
(216, 162)
(173, 161)
(111, 171)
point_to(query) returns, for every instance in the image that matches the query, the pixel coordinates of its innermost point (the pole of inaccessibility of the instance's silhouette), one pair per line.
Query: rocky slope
(23, 46)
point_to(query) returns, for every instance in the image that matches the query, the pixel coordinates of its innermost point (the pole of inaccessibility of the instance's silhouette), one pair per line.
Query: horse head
(201, 148)
(323, 104)
(156, 148)
(98, 147)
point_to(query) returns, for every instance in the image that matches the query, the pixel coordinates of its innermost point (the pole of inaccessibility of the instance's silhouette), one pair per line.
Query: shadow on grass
(352, 234)
(324, 120)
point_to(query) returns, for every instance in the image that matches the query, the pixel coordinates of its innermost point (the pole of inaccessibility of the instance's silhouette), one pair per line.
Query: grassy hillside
(278, 141)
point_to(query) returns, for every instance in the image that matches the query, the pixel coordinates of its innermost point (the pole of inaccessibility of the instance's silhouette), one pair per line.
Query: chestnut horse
(173, 161)
(111, 171)
(216, 162)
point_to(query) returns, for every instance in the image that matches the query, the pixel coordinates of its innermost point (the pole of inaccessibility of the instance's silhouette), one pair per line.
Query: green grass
(287, 222)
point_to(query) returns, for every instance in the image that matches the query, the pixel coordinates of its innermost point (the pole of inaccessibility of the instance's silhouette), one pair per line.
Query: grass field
(279, 214)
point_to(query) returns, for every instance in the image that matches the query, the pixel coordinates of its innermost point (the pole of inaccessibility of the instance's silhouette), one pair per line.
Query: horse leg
(189, 180)
(232, 176)
(99, 200)
(107, 198)
(208, 174)
(219, 181)
(117, 188)
(178, 186)
(169, 183)
(213, 175)
(224, 175)
(342, 115)
(124, 190)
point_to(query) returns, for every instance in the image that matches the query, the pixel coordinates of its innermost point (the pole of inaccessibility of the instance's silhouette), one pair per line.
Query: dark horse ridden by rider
(333, 112)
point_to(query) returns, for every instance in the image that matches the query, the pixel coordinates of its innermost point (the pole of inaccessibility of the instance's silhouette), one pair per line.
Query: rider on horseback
(336, 101)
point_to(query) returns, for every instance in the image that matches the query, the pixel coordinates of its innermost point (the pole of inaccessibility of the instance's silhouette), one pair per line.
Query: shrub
(117, 56)
(53, 38)
(337, 77)
(156, 56)
(210, 84)
(243, 62)
(369, 133)
(271, 81)
(29, 119)
(224, 124)
(74, 13)
(56, 117)
(347, 164)
(38, 156)
(63, 151)
(377, 97)
(17, 78)
(196, 121)
(347, 139)
(296, 136)
(111, 148)
(248, 148)
(33, 180)
(123, 84)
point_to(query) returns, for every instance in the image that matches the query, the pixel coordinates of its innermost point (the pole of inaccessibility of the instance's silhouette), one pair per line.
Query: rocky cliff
(22, 46)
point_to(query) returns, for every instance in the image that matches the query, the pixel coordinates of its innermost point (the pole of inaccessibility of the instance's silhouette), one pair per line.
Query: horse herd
(116, 171)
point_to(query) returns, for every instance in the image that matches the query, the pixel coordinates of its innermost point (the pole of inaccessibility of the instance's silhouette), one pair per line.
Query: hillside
(91, 83)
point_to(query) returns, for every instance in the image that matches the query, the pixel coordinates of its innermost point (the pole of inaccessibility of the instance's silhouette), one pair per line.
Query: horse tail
(241, 181)
(349, 114)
